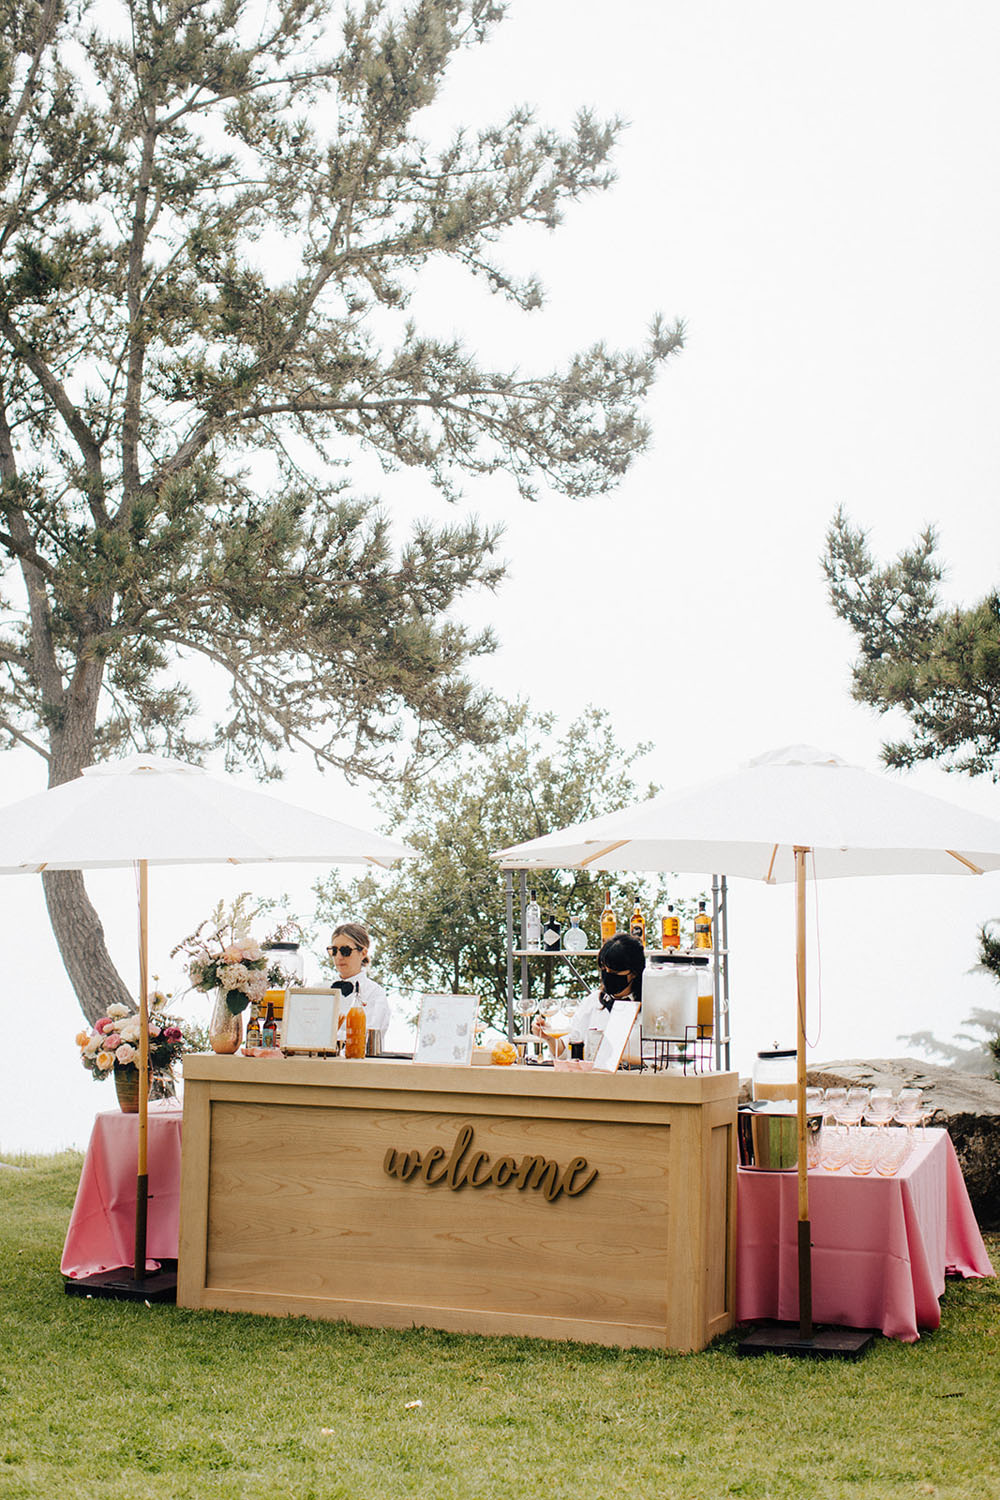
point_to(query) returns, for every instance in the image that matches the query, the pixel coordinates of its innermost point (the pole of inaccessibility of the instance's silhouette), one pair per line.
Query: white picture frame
(446, 1030)
(311, 1020)
(624, 1014)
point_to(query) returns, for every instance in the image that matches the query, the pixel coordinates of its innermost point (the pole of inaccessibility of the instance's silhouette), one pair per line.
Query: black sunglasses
(343, 950)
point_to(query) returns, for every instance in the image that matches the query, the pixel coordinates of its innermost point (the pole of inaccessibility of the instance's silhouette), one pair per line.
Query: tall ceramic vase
(127, 1089)
(225, 1031)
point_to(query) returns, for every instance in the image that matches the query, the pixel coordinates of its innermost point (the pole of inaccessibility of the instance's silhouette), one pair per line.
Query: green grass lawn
(123, 1401)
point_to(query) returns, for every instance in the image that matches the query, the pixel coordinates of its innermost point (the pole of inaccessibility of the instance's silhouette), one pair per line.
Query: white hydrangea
(255, 986)
(234, 977)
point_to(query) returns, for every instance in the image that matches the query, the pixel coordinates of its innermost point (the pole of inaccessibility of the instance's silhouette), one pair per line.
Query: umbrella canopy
(750, 822)
(765, 822)
(168, 813)
(146, 810)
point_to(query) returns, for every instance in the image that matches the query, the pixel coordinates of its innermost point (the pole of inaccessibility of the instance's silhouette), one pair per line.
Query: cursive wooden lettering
(570, 1187)
(475, 1170)
(434, 1155)
(503, 1170)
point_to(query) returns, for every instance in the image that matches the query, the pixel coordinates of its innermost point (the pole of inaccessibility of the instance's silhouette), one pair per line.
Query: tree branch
(56, 392)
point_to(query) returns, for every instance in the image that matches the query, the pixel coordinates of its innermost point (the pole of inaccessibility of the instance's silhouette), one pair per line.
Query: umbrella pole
(804, 1230)
(142, 1178)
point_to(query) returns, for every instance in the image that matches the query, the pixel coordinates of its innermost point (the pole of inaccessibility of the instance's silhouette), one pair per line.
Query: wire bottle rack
(694, 1052)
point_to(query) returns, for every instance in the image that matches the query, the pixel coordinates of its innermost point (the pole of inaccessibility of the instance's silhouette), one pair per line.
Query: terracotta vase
(225, 1031)
(127, 1089)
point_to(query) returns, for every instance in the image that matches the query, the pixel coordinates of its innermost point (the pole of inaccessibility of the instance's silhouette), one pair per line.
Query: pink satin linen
(101, 1233)
(881, 1245)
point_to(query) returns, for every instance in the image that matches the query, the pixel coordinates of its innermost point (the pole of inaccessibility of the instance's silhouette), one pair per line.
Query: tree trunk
(75, 923)
(80, 936)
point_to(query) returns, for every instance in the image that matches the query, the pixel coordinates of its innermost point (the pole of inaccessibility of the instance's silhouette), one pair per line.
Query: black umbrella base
(826, 1343)
(120, 1284)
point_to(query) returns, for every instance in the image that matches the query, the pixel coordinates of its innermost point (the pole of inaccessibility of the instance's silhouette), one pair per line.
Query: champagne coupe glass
(881, 1106)
(834, 1100)
(864, 1146)
(891, 1151)
(848, 1106)
(525, 1007)
(835, 1149)
(857, 1102)
(547, 1008)
(557, 1025)
(909, 1112)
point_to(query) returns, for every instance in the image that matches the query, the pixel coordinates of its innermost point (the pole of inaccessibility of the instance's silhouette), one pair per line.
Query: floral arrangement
(114, 1042)
(227, 958)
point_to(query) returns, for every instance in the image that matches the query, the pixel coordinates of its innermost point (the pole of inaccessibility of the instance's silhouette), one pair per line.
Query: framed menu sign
(624, 1014)
(310, 1020)
(446, 1029)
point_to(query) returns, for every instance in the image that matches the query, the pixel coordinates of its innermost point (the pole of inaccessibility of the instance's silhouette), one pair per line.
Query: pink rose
(112, 1041)
(233, 954)
(172, 1034)
(154, 1031)
(125, 1055)
(103, 1024)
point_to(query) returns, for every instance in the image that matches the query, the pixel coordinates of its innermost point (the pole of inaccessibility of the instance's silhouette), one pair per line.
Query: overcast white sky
(812, 188)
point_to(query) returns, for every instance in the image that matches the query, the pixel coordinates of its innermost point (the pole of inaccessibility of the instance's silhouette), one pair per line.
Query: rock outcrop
(968, 1106)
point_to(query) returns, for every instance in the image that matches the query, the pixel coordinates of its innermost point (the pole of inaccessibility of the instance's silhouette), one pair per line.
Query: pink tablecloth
(881, 1245)
(101, 1233)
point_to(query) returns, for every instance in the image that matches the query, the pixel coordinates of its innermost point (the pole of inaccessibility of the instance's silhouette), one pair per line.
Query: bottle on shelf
(637, 925)
(574, 938)
(608, 924)
(550, 936)
(253, 1031)
(269, 1030)
(670, 928)
(356, 1027)
(533, 925)
(702, 927)
(706, 997)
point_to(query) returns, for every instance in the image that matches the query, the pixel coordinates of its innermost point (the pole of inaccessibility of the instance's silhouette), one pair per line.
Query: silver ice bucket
(768, 1138)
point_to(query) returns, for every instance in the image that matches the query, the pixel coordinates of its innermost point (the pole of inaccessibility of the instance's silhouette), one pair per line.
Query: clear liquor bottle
(533, 925)
(574, 938)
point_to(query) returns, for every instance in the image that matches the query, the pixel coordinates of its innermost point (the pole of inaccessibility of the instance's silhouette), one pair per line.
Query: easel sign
(446, 1029)
(624, 1014)
(310, 1021)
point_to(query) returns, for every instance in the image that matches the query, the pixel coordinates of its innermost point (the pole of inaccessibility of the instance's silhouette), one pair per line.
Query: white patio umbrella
(764, 822)
(146, 810)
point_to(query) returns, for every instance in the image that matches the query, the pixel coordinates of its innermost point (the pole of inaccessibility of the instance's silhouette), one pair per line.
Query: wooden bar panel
(592, 1210)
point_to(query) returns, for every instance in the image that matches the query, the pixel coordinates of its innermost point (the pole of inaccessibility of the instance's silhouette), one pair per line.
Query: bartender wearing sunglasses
(349, 950)
(621, 962)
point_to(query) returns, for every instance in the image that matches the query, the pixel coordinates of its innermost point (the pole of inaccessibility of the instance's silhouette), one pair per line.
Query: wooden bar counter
(599, 1207)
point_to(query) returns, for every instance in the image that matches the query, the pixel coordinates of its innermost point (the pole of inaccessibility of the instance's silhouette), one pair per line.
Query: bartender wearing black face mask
(621, 962)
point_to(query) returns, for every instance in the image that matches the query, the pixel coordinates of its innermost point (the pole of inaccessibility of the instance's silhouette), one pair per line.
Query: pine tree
(939, 667)
(214, 215)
